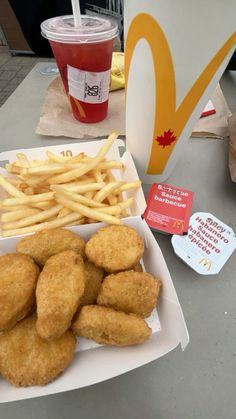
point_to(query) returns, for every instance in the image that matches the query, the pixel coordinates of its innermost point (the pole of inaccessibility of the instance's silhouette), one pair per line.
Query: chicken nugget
(137, 267)
(94, 279)
(115, 248)
(131, 292)
(106, 325)
(60, 287)
(27, 360)
(18, 278)
(44, 244)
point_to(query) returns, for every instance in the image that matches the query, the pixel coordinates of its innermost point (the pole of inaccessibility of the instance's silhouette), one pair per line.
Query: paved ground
(13, 69)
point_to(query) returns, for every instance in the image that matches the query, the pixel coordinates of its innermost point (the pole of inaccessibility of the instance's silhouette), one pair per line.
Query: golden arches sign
(169, 121)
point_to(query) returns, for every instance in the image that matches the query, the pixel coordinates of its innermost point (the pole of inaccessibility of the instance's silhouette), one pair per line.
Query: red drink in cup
(83, 55)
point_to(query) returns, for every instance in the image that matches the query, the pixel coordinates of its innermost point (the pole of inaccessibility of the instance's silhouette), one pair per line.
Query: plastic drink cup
(83, 55)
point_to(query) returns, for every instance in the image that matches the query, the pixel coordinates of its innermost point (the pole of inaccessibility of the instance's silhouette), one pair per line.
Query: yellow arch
(167, 117)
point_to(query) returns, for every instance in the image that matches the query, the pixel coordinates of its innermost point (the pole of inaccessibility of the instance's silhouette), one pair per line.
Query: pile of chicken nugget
(56, 287)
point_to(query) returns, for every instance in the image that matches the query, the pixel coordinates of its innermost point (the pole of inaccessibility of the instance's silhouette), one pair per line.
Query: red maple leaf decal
(166, 139)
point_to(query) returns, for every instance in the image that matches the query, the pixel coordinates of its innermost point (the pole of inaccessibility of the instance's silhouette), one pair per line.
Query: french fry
(18, 215)
(23, 159)
(89, 194)
(107, 190)
(60, 159)
(29, 191)
(15, 208)
(77, 223)
(47, 169)
(40, 189)
(63, 212)
(54, 157)
(59, 222)
(112, 200)
(85, 211)
(14, 182)
(35, 180)
(63, 190)
(98, 175)
(116, 209)
(83, 188)
(78, 158)
(76, 173)
(10, 168)
(33, 219)
(28, 199)
(84, 181)
(128, 186)
(110, 165)
(23, 186)
(78, 198)
(9, 188)
(43, 205)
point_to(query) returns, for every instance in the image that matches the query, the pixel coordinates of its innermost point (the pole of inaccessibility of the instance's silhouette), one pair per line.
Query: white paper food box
(96, 363)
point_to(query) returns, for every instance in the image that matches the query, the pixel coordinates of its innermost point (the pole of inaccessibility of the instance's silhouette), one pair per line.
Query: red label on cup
(168, 208)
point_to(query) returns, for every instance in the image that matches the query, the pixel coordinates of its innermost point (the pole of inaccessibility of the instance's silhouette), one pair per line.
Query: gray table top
(200, 382)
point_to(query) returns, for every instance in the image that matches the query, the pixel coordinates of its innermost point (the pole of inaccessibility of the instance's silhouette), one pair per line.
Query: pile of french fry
(63, 191)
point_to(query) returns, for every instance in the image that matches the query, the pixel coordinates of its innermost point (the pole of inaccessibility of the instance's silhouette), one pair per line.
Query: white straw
(76, 12)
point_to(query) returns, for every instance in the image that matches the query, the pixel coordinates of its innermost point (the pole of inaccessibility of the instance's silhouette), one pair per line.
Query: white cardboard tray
(103, 362)
(95, 363)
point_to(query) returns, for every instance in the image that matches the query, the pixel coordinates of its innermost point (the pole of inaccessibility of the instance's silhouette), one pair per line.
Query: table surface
(200, 382)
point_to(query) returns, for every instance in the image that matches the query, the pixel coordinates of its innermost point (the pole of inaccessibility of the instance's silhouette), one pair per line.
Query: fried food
(44, 244)
(58, 185)
(26, 359)
(18, 278)
(94, 279)
(137, 267)
(115, 248)
(60, 287)
(131, 292)
(108, 326)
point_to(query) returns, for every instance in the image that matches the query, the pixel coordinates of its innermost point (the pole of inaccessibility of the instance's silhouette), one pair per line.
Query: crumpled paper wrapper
(216, 125)
(57, 120)
(232, 146)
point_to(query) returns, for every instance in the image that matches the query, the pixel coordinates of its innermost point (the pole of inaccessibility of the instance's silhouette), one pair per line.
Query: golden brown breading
(94, 279)
(137, 268)
(28, 360)
(18, 278)
(115, 248)
(131, 292)
(105, 325)
(60, 287)
(44, 244)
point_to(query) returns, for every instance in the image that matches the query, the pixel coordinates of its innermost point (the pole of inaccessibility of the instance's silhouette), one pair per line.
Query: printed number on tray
(67, 153)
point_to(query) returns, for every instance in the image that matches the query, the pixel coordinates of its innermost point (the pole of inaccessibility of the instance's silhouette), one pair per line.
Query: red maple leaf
(166, 139)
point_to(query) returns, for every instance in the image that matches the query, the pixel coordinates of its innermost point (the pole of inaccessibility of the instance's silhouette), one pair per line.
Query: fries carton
(95, 363)
(117, 152)
(169, 78)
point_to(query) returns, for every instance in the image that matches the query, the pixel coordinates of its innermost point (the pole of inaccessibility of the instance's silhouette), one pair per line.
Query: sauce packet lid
(168, 208)
(208, 244)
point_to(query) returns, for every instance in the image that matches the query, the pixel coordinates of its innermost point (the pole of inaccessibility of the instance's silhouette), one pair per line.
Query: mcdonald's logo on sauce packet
(208, 244)
(168, 208)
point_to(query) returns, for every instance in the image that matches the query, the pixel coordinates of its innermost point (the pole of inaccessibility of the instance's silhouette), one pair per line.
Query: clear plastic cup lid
(92, 29)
